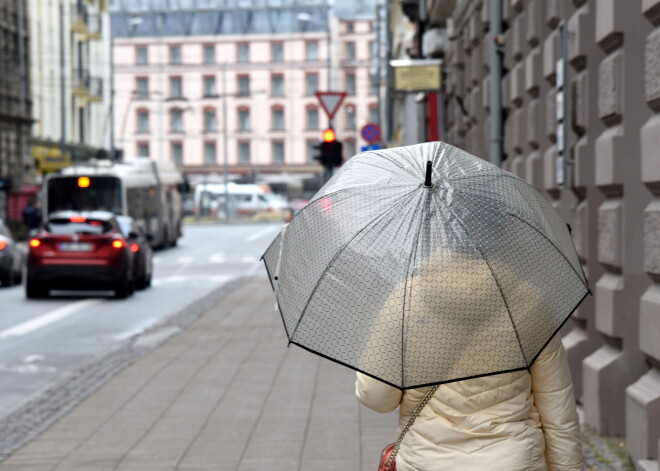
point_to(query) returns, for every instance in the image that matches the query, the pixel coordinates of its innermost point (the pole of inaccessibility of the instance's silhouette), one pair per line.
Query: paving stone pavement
(224, 394)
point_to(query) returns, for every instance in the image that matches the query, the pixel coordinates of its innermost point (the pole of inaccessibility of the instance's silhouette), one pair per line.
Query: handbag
(388, 456)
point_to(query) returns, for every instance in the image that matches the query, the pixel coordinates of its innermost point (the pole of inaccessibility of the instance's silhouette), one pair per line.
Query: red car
(80, 250)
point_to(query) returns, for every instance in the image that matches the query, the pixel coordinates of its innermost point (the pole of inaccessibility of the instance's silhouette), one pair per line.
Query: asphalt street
(40, 340)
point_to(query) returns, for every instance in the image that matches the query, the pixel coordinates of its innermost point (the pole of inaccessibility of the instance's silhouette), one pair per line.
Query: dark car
(139, 244)
(80, 250)
(11, 258)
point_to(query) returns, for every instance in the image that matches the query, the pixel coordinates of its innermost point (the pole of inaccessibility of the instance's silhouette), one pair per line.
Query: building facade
(180, 71)
(71, 81)
(606, 89)
(16, 167)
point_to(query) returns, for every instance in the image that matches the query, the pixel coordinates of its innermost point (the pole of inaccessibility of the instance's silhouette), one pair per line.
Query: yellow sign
(416, 75)
(50, 159)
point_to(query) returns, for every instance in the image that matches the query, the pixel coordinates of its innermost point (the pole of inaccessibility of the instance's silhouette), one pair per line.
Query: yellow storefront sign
(50, 159)
(416, 75)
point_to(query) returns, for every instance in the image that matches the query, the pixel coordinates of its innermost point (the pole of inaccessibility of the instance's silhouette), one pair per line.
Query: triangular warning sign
(330, 101)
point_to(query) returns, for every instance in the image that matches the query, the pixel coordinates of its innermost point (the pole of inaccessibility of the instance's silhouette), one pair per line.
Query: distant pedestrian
(32, 216)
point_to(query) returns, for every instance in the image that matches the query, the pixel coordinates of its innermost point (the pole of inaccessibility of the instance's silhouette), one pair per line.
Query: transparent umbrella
(424, 265)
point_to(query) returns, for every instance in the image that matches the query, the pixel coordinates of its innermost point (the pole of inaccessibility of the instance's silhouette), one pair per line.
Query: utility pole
(495, 83)
(22, 95)
(63, 100)
(225, 138)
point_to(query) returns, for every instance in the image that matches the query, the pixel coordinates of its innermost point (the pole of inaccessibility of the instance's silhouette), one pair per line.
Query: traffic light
(330, 150)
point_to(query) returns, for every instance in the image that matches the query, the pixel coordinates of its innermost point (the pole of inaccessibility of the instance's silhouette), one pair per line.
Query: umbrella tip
(429, 171)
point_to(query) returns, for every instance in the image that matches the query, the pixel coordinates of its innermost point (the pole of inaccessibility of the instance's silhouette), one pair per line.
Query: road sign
(370, 132)
(330, 102)
(370, 147)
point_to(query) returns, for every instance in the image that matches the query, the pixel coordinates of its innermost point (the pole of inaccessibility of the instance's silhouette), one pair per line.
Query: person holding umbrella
(443, 281)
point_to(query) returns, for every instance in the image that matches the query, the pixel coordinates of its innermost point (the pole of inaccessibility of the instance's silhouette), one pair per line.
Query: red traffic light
(329, 135)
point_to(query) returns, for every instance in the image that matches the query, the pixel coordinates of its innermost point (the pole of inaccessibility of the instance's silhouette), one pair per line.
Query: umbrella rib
(413, 255)
(499, 287)
(537, 230)
(404, 198)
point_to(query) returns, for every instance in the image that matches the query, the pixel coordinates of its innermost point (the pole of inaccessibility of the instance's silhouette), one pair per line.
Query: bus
(147, 191)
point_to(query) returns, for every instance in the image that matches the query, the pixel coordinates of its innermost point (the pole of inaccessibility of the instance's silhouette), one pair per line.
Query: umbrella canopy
(424, 264)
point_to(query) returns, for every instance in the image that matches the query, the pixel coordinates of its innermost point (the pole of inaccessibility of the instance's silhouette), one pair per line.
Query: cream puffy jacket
(508, 422)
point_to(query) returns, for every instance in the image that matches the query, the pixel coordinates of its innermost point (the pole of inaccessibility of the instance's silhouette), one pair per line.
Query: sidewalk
(225, 394)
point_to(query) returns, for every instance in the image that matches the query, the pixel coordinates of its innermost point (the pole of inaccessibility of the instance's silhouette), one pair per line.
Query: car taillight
(135, 248)
(35, 243)
(118, 243)
(78, 219)
(3, 244)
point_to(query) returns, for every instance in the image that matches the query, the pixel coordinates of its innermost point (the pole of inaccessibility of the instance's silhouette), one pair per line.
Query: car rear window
(68, 227)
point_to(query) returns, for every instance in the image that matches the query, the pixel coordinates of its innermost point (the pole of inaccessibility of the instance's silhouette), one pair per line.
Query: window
(209, 54)
(175, 55)
(310, 147)
(243, 52)
(176, 120)
(142, 121)
(312, 50)
(209, 86)
(373, 114)
(176, 152)
(350, 83)
(312, 118)
(373, 84)
(278, 152)
(176, 89)
(141, 55)
(350, 148)
(243, 119)
(210, 121)
(143, 149)
(373, 49)
(277, 85)
(142, 88)
(277, 118)
(350, 117)
(244, 153)
(243, 85)
(209, 153)
(350, 50)
(311, 83)
(277, 52)
(350, 27)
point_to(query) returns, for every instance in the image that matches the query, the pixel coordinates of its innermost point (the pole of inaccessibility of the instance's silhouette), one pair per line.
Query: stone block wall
(612, 199)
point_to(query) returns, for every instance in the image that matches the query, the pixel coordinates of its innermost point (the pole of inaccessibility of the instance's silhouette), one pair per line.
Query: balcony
(86, 86)
(86, 24)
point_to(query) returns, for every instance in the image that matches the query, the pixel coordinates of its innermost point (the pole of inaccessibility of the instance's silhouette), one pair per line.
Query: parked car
(11, 258)
(80, 250)
(139, 244)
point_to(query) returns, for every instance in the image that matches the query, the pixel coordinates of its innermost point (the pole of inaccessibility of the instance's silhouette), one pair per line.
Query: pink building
(177, 70)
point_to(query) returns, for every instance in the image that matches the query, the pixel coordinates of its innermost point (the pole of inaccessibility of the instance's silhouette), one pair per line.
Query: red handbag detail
(388, 456)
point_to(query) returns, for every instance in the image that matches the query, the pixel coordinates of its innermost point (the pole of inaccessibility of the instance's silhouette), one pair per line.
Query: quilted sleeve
(375, 394)
(552, 390)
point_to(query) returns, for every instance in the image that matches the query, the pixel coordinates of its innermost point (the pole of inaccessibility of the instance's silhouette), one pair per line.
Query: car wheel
(18, 277)
(7, 279)
(122, 288)
(35, 290)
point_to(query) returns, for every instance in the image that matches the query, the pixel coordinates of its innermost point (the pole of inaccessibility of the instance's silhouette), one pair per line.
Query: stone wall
(612, 199)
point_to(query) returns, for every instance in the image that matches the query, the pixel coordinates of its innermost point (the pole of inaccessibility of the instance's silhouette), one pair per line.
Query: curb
(45, 407)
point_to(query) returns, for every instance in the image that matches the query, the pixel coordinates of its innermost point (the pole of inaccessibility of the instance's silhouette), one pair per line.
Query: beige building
(179, 71)
(609, 188)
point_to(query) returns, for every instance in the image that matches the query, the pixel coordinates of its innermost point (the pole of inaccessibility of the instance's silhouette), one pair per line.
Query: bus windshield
(102, 193)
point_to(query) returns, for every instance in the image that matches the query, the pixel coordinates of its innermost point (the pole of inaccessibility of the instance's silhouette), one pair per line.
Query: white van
(244, 199)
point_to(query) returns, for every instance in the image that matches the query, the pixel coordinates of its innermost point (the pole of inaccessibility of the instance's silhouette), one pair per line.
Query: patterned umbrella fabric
(424, 265)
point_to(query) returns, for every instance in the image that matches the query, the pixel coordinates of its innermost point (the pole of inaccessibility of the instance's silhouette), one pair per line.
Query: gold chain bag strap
(388, 456)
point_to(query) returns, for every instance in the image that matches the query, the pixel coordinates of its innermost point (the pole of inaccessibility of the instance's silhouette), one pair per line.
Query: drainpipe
(495, 83)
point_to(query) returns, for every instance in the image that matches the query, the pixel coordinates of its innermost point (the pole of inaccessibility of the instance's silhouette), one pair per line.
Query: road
(43, 339)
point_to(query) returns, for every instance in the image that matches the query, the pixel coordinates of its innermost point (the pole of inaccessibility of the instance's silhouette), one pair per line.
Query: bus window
(102, 193)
